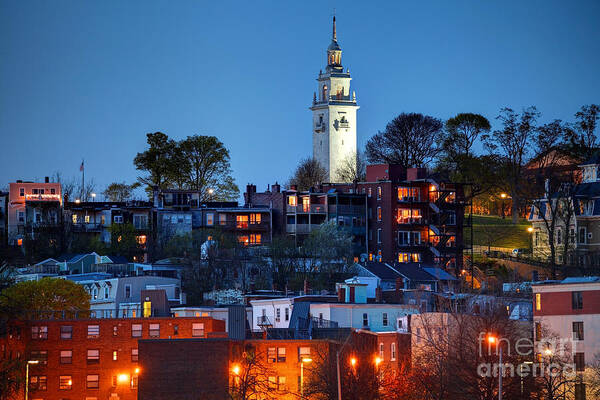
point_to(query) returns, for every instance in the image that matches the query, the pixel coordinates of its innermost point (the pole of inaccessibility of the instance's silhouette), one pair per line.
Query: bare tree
(513, 141)
(353, 168)
(582, 134)
(251, 377)
(410, 140)
(309, 173)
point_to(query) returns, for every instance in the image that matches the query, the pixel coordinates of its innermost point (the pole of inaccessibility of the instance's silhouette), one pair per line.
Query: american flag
(81, 166)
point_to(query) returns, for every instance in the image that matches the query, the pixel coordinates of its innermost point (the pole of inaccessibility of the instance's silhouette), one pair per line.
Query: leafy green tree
(513, 143)
(410, 140)
(47, 294)
(119, 191)
(309, 173)
(158, 161)
(207, 168)
(283, 261)
(126, 241)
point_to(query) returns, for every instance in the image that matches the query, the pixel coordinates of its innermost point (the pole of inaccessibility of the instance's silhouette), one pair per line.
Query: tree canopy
(309, 173)
(119, 191)
(47, 294)
(410, 140)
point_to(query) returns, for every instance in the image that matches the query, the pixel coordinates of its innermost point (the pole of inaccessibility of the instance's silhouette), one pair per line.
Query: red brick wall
(560, 303)
(106, 343)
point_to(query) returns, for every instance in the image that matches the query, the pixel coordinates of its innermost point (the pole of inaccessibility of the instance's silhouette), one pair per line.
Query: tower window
(324, 94)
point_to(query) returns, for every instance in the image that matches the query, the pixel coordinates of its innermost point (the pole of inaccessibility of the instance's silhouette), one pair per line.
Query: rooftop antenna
(334, 32)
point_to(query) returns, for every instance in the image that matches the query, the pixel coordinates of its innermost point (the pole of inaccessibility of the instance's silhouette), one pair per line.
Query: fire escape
(442, 202)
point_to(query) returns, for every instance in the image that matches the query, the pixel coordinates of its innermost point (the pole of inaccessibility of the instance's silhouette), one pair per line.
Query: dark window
(579, 361)
(40, 355)
(365, 319)
(39, 332)
(154, 330)
(385, 319)
(92, 382)
(538, 331)
(175, 330)
(280, 354)
(93, 356)
(66, 332)
(577, 330)
(580, 391)
(115, 330)
(134, 355)
(66, 356)
(577, 300)
(136, 330)
(93, 331)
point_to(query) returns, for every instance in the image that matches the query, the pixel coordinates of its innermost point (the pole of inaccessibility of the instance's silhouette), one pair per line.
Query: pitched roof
(414, 271)
(595, 159)
(381, 270)
(119, 259)
(440, 274)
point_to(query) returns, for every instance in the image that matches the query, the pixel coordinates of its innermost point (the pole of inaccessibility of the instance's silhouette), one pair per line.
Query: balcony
(244, 225)
(342, 209)
(43, 197)
(307, 209)
(87, 227)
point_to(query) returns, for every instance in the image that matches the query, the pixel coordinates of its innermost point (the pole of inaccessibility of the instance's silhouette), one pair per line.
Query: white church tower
(334, 113)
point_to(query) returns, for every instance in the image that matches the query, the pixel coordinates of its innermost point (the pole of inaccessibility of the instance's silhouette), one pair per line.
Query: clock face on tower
(334, 113)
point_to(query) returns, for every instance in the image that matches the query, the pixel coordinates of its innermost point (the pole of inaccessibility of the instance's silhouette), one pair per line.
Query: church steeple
(334, 52)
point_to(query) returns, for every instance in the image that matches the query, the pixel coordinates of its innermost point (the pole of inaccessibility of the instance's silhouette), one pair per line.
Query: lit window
(378, 192)
(74, 218)
(210, 219)
(19, 242)
(393, 348)
(38, 382)
(255, 218)
(272, 354)
(147, 309)
(280, 354)
(134, 355)
(292, 201)
(222, 219)
(198, 329)
(93, 356)
(538, 301)
(303, 352)
(243, 240)
(65, 382)
(381, 351)
(378, 213)
(87, 219)
(241, 221)
(141, 239)
(115, 354)
(255, 238)
(39, 332)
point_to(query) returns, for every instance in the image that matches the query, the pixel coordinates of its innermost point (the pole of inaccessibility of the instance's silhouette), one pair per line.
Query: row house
(412, 216)
(577, 228)
(33, 207)
(96, 218)
(93, 358)
(180, 212)
(297, 213)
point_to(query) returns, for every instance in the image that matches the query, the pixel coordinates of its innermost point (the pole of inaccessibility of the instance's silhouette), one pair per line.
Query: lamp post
(33, 362)
(93, 196)
(495, 340)
(303, 360)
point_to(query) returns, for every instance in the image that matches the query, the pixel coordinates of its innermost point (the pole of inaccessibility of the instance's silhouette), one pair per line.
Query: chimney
(276, 188)
(378, 294)
(250, 188)
(293, 187)
(19, 181)
(47, 179)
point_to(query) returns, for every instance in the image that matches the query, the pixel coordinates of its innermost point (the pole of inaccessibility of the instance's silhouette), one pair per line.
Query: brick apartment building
(207, 369)
(95, 358)
(412, 216)
(570, 309)
(297, 213)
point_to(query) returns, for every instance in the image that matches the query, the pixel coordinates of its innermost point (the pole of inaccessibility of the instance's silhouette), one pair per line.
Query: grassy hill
(498, 232)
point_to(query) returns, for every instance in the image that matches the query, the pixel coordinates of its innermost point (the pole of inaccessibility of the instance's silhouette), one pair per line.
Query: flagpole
(82, 179)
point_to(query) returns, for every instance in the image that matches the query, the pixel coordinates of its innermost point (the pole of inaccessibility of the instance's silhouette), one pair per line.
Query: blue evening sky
(82, 79)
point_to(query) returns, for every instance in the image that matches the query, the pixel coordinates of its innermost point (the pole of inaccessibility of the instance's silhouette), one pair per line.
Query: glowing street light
(211, 191)
(353, 361)
(493, 340)
(548, 352)
(93, 196)
(122, 378)
(378, 361)
(530, 229)
(303, 360)
(235, 369)
(137, 370)
(29, 362)
(503, 195)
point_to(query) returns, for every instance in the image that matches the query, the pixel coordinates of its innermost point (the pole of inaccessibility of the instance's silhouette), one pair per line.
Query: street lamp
(353, 361)
(530, 229)
(32, 362)
(235, 369)
(303, 360)
(493, 340)
(93, 196)
(378, 361)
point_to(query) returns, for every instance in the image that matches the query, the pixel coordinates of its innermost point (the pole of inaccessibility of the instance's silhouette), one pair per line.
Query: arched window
(324, 94)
